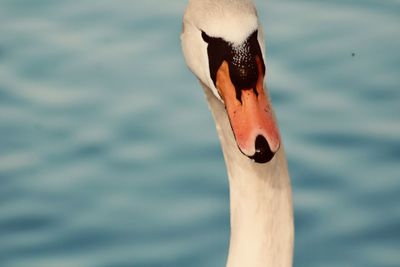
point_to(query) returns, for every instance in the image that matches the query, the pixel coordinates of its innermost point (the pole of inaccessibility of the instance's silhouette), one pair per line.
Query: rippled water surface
(109, 156)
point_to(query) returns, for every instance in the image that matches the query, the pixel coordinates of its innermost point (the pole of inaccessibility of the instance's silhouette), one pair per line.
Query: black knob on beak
(244, 74)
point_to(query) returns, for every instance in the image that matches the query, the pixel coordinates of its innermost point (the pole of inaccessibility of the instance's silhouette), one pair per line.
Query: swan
(222, 43)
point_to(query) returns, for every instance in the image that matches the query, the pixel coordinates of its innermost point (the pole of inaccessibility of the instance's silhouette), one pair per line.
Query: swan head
(222, 44)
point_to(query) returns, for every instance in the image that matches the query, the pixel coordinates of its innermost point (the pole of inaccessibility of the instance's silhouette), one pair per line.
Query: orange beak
(251, 117)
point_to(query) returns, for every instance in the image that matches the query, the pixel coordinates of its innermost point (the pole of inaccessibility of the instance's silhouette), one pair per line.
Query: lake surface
(109, 156)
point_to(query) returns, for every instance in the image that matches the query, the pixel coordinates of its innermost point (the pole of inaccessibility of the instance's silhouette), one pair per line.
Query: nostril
(263, 151)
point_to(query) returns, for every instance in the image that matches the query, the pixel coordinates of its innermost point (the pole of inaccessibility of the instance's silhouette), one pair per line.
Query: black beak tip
(263, 151)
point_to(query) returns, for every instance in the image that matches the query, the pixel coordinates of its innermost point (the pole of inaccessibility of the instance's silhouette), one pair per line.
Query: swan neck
(261, 212)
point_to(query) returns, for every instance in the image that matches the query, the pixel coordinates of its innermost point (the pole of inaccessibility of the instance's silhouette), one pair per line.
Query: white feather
(232, 20)
(260, 194)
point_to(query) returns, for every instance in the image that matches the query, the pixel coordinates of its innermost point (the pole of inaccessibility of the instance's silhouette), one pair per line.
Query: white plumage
(262, 229)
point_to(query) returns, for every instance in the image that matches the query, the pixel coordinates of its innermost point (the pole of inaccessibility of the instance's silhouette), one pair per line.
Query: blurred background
(109, 156)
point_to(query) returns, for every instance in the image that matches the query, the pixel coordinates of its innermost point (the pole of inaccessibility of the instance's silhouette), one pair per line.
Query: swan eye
(205, 37)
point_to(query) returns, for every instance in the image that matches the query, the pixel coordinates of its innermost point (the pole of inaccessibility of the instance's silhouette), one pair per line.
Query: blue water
(109, 156)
